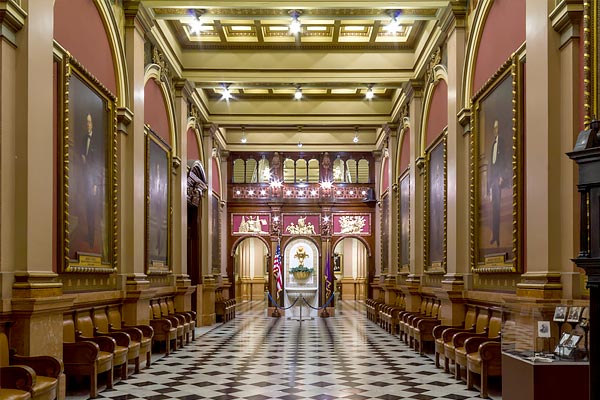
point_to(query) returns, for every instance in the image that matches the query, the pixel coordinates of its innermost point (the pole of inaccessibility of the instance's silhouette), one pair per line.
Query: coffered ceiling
(342, 49)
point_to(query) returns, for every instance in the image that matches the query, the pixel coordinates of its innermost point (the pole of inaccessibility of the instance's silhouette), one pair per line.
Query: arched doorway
(251, 259)
(350, 266)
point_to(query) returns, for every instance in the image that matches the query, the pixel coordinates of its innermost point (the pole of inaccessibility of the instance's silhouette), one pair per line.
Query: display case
(544, 346)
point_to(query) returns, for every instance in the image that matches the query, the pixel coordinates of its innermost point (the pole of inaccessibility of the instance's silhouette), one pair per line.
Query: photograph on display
(567, 345)
(544, 329)
(574, 314)
(89, 164)
(495, 153)
(158, 205)
(560, 314)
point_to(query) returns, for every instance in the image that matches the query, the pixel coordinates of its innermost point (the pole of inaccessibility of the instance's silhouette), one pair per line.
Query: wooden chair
(190, 317)
(46, 371)
(388, 315)
(483, 358)
(86, 331)
(183, 328)
(449, 346)
(16, 382)
(116, 323)
(421, 328)
(441, 338)
(492, 332)
(87, 357)
(406, 316)
(164, 330)
(102, 327)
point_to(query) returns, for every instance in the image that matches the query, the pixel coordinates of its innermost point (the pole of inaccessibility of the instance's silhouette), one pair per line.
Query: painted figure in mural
(90, 180)
(494, 185)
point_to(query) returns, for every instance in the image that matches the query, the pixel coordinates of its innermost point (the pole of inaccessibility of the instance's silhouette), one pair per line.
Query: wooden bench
(405, 317)
(420, 328)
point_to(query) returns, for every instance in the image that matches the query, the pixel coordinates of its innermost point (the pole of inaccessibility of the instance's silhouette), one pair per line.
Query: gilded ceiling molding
(154, 71)
(481, 13)
(118, 52)
(12, 19)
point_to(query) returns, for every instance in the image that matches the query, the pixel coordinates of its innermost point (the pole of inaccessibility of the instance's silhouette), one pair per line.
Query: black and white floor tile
(257, 357)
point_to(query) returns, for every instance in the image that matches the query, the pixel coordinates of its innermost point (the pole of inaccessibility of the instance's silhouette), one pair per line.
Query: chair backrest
(423, 306)
(435, 309)
(495, 326)
(4, 351)
(470, 317)
(114, 316)
(101, 319)
(163, 307)
(84, 323)
(155, 310)
(68, 329)
(429, 307)
(170, 305)
(482, 321)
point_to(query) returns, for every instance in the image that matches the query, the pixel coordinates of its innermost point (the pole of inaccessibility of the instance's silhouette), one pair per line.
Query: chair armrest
(134, 333)
(122, 338)
(472, 343)
(84, 352)
(42, 365)
(439, 329)
(174, 321)
(427, 325)
(449, 333)
(147, 330)
(161, 325)
(18, 377)
(459, 339)
(106, 343)
(490, 351)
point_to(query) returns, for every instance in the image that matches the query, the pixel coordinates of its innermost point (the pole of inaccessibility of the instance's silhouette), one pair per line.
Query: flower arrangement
(301, 268)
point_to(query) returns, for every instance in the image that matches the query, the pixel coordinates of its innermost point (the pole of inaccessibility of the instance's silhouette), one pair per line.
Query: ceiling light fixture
(243, 139)
(394, 25)
(196, 22)
(355, 140)
(298, 94)
(226, 95)
(295, 25)
(369, 95)
(299, 132)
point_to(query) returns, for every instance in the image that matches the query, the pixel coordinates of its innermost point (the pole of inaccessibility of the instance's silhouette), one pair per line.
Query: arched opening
(251, 258)
(351, 268)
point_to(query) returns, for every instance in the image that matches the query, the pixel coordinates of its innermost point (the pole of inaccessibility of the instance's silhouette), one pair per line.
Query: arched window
(301, 171)
(251, 173)
(264, 170)
(363, 171)
(313, 171)
(351, 171)
(239, 168)
(288, 170)
(338, 170)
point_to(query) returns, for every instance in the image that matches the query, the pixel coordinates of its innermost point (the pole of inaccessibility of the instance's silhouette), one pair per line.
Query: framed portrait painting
(435, 207)
(158, 204)
(404, 215)
(89, 169)
(495, 173)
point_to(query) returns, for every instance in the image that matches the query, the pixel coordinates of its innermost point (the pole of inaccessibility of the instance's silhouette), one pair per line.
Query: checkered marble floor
(257, 357)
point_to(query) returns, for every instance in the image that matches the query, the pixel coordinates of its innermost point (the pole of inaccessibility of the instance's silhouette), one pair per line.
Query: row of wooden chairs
(389, 314)
(473, 347)
(23, 378)
(373, 306)
(224, 308)
(170, 325)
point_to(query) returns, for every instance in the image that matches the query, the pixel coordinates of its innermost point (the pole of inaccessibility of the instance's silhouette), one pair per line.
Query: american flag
(277, 269)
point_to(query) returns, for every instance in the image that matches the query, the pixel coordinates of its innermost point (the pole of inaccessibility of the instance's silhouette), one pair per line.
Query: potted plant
(301, 273)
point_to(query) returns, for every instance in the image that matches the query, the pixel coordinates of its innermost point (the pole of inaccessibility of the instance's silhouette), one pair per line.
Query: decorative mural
(300, 224)
(352, 224)
(243, 224)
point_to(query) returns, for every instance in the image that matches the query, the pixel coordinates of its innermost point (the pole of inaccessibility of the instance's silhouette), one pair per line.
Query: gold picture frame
(436, 163)
(158, 209)
(495, 172)
(88, 179)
